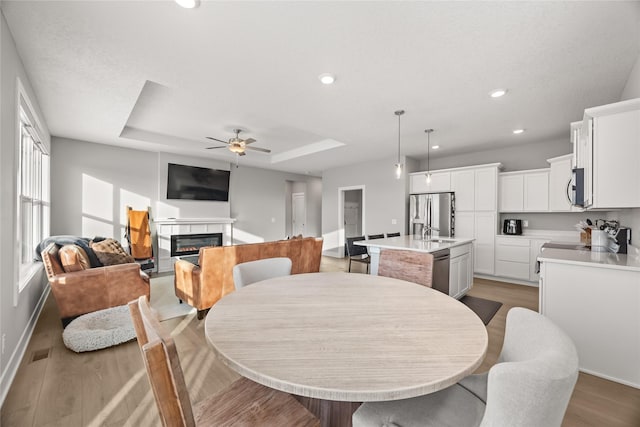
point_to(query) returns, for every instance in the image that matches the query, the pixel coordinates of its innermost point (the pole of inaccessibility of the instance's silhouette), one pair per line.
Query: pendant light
(428, 175)
(399, 165)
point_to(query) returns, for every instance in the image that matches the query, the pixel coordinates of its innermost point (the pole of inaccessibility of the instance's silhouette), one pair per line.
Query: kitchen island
(595, 298)
(460, 262)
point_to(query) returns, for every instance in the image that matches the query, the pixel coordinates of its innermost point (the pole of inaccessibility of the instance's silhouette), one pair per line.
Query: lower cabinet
(512, 257)
(516, 257)
(598, 306)
(460, 270)
(480, 226)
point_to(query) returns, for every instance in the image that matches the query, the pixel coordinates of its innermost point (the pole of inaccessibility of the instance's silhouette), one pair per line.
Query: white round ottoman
(100, 329)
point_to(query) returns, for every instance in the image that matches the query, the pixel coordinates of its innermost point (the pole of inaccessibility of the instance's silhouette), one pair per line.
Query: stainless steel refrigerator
(433, 211)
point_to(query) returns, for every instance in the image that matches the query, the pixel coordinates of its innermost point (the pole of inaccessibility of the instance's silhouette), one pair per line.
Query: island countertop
(409, 242)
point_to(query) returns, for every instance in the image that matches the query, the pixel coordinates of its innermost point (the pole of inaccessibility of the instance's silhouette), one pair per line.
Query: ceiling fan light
(236, 148)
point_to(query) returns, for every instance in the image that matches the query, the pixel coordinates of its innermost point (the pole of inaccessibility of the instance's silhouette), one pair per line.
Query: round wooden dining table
(332, 339)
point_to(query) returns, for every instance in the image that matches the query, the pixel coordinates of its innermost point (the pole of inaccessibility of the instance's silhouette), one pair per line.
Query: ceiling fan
(238, 145)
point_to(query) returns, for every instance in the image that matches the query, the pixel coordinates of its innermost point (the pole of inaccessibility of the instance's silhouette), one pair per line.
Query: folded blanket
(82, 242)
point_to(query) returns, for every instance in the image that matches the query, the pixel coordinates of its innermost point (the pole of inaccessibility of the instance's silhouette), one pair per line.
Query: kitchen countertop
(565, 236)
(412, 244)
(629, 261)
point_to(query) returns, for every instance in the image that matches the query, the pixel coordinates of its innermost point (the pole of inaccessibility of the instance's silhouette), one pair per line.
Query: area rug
(100, 329)
(164, 300)
(484, 308)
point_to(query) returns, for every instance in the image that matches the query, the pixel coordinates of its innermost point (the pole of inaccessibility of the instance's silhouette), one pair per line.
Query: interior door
(298, 214)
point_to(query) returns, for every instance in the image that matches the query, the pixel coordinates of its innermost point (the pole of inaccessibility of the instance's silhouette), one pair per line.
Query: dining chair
(412, 266)
(263, 406)
(250, 272)
(357, 253)
(393, 234)
(530, 386)
(375, 236)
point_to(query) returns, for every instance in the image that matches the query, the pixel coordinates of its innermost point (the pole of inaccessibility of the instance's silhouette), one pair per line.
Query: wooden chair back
(163, 366)
(416, 267)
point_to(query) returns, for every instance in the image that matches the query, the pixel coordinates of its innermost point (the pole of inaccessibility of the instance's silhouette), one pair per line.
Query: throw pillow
(73, 258)
(109, 252)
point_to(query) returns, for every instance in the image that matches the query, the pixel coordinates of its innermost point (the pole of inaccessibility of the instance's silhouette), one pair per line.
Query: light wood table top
(346, 337)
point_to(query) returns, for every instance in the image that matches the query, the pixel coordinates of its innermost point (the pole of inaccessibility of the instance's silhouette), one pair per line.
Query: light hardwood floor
(110, 388)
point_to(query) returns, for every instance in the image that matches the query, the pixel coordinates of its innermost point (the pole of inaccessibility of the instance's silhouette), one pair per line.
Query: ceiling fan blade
(264, 150)
(216, 139)
(249, 141)
(213, 148)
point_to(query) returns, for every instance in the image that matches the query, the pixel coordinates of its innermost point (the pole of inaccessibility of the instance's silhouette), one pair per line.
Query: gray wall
(529, 156)
(92, 184)
(259, 200)
(384, 198)
(17, 318)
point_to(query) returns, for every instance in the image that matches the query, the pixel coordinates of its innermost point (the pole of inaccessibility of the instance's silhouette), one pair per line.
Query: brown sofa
(204, 284)
(92, 289)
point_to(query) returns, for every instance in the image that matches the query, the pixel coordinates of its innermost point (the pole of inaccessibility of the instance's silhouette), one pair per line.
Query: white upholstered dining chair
(250, 272)
(530, 386)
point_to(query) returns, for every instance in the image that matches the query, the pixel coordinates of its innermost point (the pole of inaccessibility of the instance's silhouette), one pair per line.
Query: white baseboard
(9, 373)
(506, 280)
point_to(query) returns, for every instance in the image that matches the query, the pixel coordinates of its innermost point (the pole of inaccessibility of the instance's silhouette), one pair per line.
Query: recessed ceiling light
(327, 78)
(435, 147)
(188, 4)
(498, 93)
(518, 131)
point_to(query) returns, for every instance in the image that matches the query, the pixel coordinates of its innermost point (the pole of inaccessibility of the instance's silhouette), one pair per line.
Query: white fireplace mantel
(166, 227)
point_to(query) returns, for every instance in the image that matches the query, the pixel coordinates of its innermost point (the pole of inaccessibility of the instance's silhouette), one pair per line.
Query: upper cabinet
(475, 188)
(524, 191)
(440, 182)
(560, 184)
(608, 150)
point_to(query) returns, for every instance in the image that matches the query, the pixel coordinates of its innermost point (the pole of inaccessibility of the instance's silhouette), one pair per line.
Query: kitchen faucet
(426, 231)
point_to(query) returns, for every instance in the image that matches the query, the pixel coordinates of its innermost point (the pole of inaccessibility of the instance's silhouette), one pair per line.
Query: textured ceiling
(154, 76)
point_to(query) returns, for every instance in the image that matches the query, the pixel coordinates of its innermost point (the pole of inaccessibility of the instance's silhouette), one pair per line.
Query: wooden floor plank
(115, 392)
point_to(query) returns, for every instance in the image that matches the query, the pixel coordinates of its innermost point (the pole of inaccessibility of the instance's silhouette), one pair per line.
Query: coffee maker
(512, 226)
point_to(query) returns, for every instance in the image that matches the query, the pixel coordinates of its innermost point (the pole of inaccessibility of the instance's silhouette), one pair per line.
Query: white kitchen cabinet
(616, 160)
(465, 225)
(486, 186)
(536, 191)
(534, 250)
(511, 192)
(524, 191)
(485, 228)
(609, 153)
(440, 182)
(460, 270)
(512, 257)
(463, 185)
(598, 307)
(559, 182)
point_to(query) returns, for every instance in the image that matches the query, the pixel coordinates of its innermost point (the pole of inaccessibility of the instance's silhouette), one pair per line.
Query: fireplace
(190, 244)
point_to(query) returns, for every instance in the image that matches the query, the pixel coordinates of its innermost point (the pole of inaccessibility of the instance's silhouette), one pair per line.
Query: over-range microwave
(575, 188)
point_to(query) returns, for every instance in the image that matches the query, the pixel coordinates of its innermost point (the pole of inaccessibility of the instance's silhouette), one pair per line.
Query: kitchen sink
(441, 241)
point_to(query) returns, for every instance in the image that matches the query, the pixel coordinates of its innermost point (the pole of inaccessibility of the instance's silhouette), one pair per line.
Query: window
(33, 191)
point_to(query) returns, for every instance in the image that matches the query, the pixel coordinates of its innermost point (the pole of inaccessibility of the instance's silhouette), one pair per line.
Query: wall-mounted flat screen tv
(195, 183)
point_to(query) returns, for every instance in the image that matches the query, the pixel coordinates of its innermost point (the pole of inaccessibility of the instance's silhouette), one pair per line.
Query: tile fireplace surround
(166, 227)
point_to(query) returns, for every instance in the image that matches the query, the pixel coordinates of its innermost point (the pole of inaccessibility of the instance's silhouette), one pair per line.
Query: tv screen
(195, 183)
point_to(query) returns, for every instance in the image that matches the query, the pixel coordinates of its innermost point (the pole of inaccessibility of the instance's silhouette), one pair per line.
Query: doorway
(351, 214)
(298, 214)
